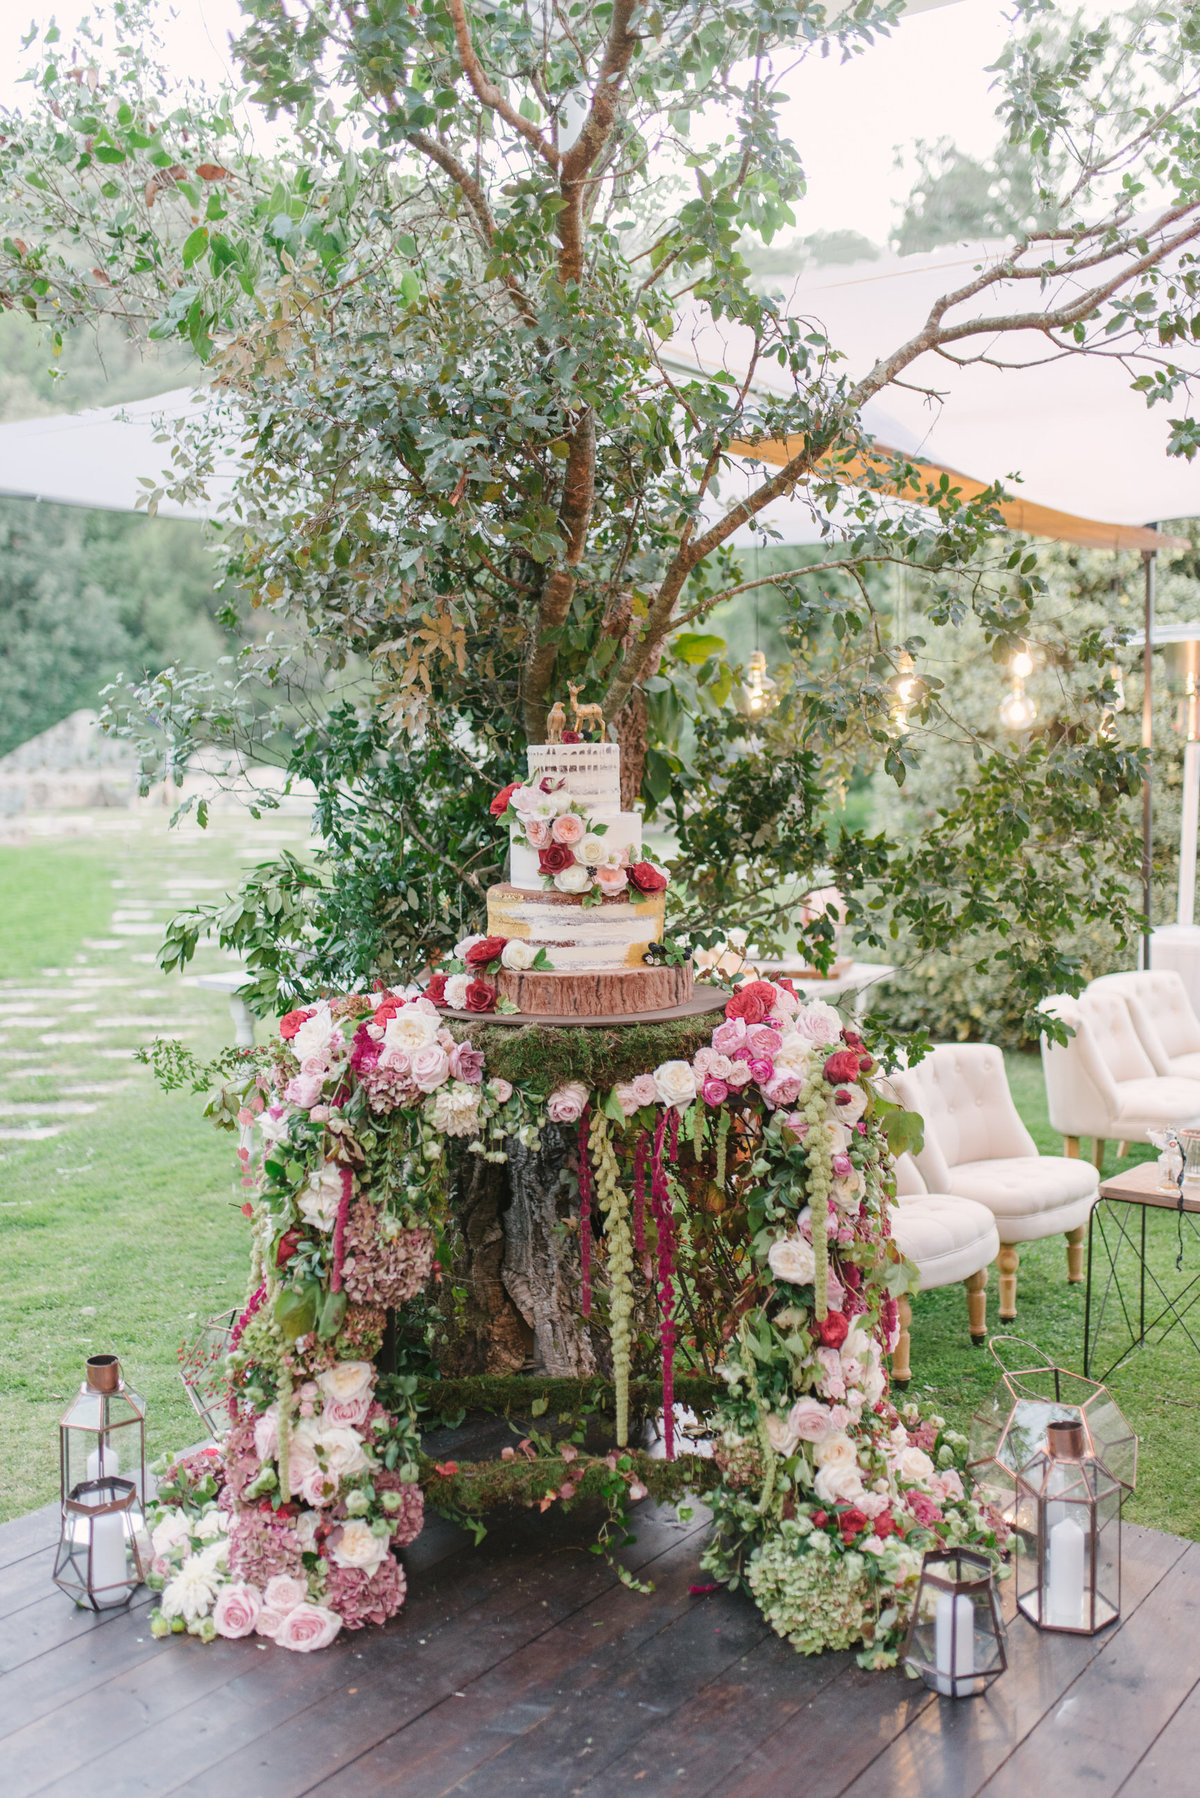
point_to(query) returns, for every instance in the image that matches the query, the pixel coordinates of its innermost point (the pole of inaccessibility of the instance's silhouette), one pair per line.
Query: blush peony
(537, 833)
(568, 828)
(359, 1547)
(611, 880)
(347, 1381)
(429, 1066)
(410, 1029)
(565, 1104)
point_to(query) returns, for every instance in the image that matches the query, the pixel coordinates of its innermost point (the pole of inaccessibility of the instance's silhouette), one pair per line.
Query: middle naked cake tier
(614, 934)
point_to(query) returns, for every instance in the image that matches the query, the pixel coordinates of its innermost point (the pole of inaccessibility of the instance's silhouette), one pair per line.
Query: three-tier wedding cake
(581, 906)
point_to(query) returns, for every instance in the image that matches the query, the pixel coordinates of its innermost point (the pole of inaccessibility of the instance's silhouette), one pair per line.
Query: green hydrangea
(811, 1595)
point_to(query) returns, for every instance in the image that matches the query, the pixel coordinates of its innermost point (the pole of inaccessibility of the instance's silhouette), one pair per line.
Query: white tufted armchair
(976, 1147)
(1103, 1082)
(1162, 1014)
(950, 1239)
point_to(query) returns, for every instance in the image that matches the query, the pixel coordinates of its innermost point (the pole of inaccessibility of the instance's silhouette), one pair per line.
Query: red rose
(747, 1005)
(886, 1525)
(851, 1038)
(852, 1523)
(554, 858)
(841, 1066)
(480, 997)
(571, 736)
(866, 1063)
(436, 990)
(647, 878)
(820, 1519)
(499, 804)
(288, 1245)
(833, 1331)
(289, 1025)
(489, 949)
(386, 1009)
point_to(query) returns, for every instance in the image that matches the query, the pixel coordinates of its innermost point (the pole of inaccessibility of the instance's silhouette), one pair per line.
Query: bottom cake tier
(596, 992)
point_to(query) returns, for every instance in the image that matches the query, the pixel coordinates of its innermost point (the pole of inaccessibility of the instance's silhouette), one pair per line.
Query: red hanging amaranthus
(660, 1200)
(585, 1214)
(235, 1336)
(339, 1229)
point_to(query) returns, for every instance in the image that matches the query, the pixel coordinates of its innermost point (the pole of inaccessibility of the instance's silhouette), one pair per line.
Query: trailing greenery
(471, 1488)
(540, 1058)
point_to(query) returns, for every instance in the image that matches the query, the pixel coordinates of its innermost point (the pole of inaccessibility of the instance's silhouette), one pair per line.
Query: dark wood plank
(950, 1749)
(1170, 1767)
(1121, 1702)
(35, 1531)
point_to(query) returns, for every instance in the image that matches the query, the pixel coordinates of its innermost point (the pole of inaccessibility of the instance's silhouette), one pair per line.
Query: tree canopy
(448, 315)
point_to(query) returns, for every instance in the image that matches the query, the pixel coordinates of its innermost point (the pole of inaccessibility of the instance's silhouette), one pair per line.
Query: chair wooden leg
(1008, 1261)
(1075, 1255)
(1071, 1147)
(1122, 1150)
(1098, 1147)
(976, 1285)
(901, 1361)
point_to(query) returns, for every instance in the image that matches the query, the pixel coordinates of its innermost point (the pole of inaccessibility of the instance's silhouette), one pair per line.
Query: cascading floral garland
(828, 1494)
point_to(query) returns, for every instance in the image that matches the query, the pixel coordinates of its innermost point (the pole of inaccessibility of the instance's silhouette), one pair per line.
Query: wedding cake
(581, 907)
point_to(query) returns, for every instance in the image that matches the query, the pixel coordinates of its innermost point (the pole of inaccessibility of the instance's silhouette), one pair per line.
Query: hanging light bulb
(1116, 679)
(1017, 711)
(905, 686)
(759, 695)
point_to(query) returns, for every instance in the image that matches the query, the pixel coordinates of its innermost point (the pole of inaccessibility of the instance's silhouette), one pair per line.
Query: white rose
(209, 1528)
(347, 1381)
(819, 1021)
(343, 1451)
(359, 1548)
(837, 1450)
(839, 1136)
(468, 942)
(321, 1195)
(517, 954)
(847, 1192)
(306, 1530)
(780, 1434)
(676, 1083)
(838, 1485)
(456, 991)
(314, 1036)
(591, 851)
(852, 1110)
(173, 1532)
(410, 1029)
(792, 1259)
(793, 1058)
(913, 1466)
(574, 879)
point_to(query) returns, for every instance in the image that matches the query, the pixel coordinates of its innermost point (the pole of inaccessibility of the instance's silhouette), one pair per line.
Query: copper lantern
(956, 1633)
(1068, 1535)
(102, 1557)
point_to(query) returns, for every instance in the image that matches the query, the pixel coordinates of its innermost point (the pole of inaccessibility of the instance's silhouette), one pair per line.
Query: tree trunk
(632, 731)
(541, 1258)
(488, 1333)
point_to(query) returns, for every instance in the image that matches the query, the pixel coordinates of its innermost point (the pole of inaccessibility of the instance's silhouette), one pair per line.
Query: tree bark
(541, 1259)
(488, 1334)
(632, 732)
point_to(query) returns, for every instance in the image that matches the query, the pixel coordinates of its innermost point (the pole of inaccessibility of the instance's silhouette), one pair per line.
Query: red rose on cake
(488, 948)
(436, 990)
(480, 997)
(554, 858)
(571, 736)
(499, 804)
(647, 878)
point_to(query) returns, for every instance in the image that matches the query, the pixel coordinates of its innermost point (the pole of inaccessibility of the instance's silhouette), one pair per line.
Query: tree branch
(489, 94)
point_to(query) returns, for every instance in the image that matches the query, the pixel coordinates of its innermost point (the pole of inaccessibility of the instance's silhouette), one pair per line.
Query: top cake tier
(591, 771)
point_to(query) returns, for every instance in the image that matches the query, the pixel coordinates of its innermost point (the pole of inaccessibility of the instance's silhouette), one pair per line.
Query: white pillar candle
(108, 1533)
(954, 1647)
(1062, 1599)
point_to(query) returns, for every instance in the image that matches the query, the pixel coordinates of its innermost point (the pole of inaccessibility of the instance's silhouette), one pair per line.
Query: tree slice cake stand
(578, 1000)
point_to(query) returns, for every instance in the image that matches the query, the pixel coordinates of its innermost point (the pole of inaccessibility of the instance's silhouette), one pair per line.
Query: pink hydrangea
(383, 1272)
(243, 1463)
(262, 1544)
(923, 1508)
(409, 1520)
(360, 1598)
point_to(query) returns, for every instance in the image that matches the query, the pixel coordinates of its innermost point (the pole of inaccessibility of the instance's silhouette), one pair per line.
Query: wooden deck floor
(524, 1667)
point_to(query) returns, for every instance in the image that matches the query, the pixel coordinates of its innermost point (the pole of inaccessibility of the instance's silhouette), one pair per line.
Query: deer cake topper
(589, 713)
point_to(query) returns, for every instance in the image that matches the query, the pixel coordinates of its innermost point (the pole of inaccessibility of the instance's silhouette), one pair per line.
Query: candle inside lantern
(954, 1643)
(1063, 1595)
(108, 1534)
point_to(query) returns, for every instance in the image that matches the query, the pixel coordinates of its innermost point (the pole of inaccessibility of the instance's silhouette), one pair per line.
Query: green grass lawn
(121, 1230)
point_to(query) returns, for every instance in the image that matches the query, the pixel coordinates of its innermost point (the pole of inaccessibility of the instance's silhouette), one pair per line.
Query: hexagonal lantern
(956, 1639)
(102, 1558)
(1012, 1424)
(1068, 1536)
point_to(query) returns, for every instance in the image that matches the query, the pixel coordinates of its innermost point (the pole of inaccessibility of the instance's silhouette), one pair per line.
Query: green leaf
(905, 1130)
(539, 1405)
(194, 245)
(694, 647)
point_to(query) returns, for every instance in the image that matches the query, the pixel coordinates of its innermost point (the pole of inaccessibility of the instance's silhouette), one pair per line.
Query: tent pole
(1148, 569)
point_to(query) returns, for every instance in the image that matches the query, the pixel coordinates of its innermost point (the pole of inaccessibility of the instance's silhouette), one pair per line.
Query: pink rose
(842, 1166)
(318, 1488)
(269, 1622)
(786, 1002)
(308, 1627)
(611, 880)
(565, 1104)
(303, 1090)
(466, 1063)
(266, 1435)
(236, 1611)
(625, 1098)
(819, 1022)
(284, 1592)
(351, 1412)
(501, 1090)
(714, 1092)
(809, 1419)
(762, 1070)
(833, 1380)
(430, 1067)
(702, 1062)
(395, 1061)
(947, 1485)
(568, 829)
(783, 1090)
(840, 1417)
(644, 1089)
(537, 832)
(796, 1122)
(763, 1041)
(729, 1036)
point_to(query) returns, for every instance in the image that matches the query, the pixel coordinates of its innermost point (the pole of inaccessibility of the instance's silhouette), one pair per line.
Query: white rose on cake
(517, 954)
(591, 851)
(574, 879)
(456, 991)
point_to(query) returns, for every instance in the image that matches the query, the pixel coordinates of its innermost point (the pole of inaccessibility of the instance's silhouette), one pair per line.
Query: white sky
(928, 80)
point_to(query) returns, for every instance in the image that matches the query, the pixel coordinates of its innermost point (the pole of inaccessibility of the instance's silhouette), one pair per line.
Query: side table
(1118, 1221)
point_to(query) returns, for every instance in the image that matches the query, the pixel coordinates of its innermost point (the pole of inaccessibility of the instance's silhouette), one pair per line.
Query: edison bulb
(1022, 664)
(1018, 710)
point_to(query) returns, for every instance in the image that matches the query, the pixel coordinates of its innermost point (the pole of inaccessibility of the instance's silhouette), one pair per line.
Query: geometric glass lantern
(1068, 1536)
(202, 1370)
(102, 1556)
(1011, 1425)
(956, 1633)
